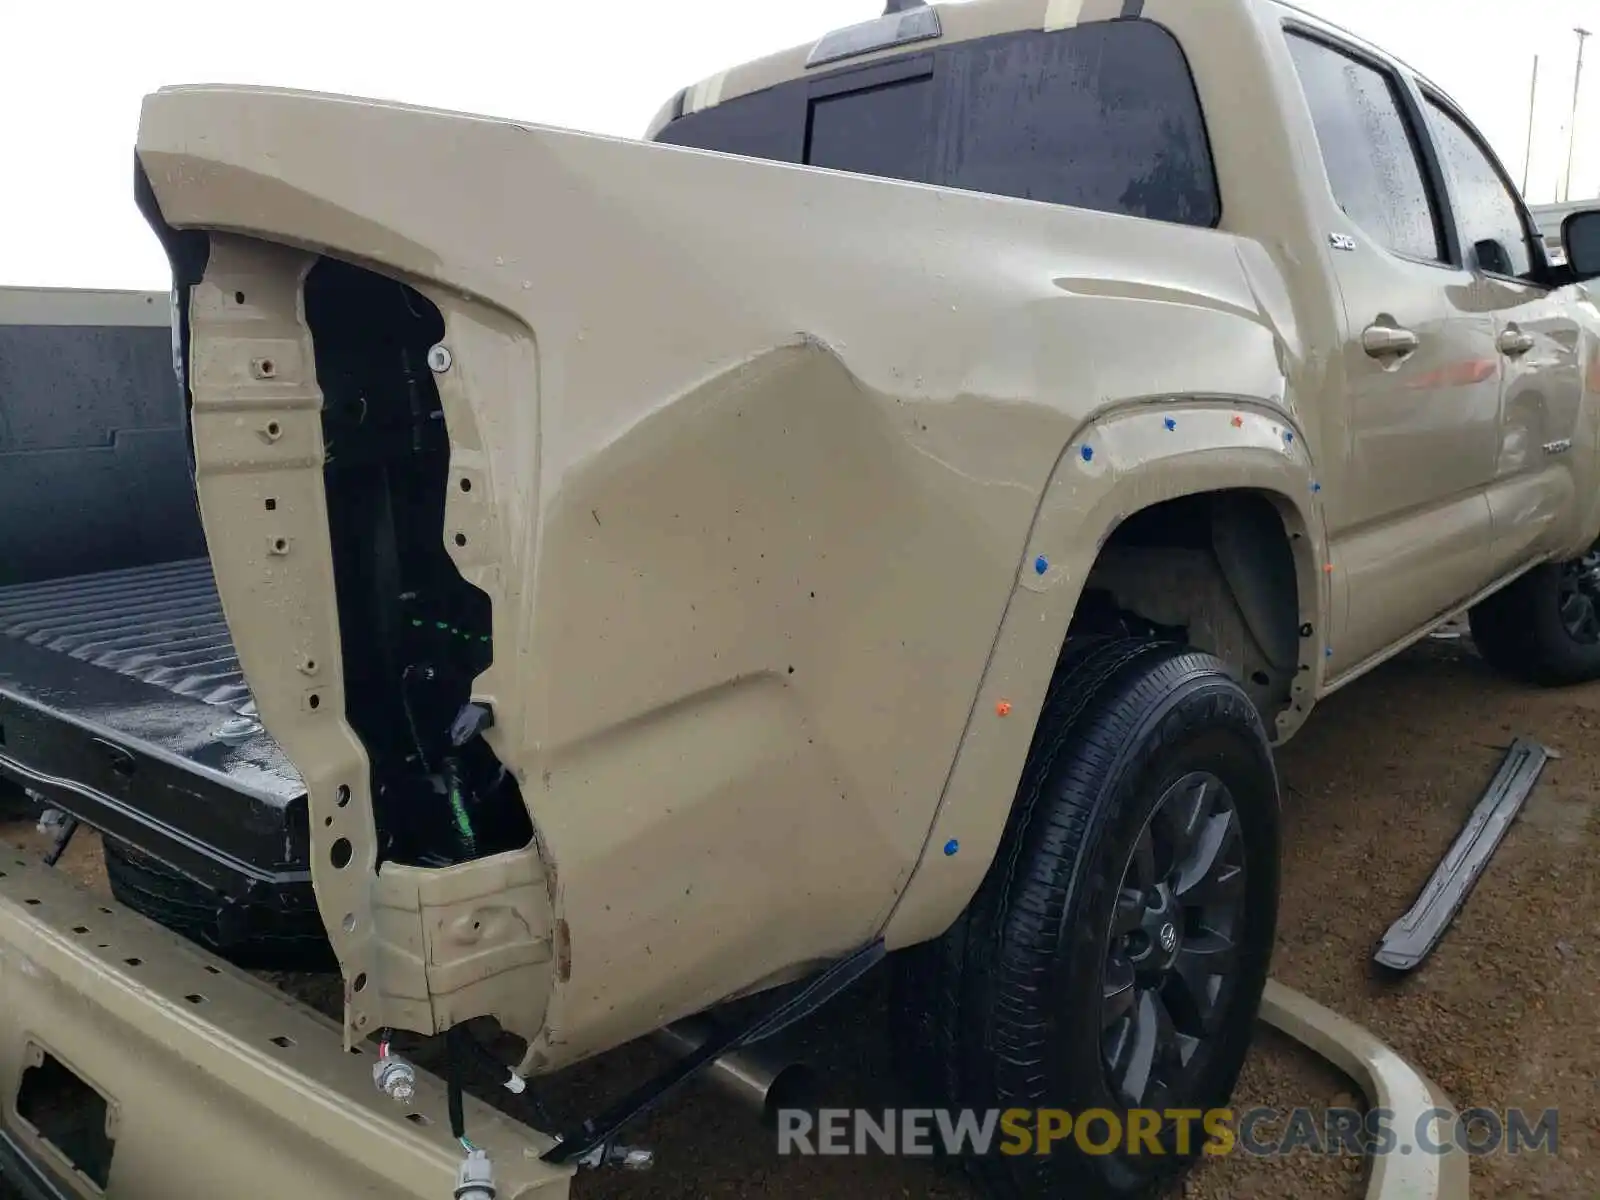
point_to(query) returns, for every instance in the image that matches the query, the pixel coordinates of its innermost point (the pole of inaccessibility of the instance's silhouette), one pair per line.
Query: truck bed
(122, 701)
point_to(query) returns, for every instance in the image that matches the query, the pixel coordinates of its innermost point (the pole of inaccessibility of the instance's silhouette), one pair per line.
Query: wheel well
(1217, 571)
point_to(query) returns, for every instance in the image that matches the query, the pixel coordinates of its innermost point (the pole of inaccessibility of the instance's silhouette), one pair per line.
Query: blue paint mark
(1328, 653)
(1170, 423)
(1316, 487)
(1088, 453)
(951, 848)
(1041, 564)
(1288, 436)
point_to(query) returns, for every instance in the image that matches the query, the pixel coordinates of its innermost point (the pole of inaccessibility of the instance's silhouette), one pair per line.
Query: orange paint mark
(1327, 568)
(1466, 373)
(1238, 422)
(1003, 708)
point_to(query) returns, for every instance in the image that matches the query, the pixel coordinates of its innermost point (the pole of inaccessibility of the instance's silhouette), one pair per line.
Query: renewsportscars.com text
(1264, 1132)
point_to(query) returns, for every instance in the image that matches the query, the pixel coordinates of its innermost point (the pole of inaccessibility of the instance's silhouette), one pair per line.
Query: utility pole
(1572, 130)
(1533, 96)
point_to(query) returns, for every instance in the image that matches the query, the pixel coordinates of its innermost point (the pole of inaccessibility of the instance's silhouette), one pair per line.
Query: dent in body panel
(762, 610)
(731, 465)
(1545, 412)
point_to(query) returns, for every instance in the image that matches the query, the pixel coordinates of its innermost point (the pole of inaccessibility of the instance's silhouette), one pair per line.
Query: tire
(249, 935)
(1004, 1010)
(1544, 627)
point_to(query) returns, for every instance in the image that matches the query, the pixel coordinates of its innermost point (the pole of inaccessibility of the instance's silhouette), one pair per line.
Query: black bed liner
(122, 702)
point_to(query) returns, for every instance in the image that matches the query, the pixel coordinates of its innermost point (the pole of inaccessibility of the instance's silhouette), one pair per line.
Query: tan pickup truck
(895, 507)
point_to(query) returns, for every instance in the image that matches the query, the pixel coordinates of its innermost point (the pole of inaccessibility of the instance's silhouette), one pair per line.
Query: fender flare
(1124, 461)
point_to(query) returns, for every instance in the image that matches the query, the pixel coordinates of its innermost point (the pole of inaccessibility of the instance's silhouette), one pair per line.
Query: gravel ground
(1375, 789)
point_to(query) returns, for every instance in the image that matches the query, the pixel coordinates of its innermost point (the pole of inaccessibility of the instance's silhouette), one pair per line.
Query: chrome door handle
(1514, 342)
(1387, 341)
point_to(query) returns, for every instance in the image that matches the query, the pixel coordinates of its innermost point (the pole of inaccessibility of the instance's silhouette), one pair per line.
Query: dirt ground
(1506, 1012)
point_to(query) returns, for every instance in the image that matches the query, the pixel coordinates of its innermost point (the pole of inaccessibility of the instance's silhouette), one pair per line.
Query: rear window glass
(1101, 116)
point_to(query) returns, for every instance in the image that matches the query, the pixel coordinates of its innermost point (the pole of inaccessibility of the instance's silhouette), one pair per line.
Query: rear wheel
(1115, 955)
(1544, 628)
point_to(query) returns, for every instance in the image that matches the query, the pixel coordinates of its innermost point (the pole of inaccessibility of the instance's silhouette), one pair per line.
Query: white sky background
(72, 75)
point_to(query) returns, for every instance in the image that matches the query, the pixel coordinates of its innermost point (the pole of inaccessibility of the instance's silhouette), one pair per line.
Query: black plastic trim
(1412, 938)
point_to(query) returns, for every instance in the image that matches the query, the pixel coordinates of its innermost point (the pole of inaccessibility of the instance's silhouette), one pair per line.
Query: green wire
(463, 823)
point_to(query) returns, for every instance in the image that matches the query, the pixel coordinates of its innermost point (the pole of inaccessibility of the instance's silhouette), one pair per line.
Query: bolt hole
(267, 367)
(360, 984)
(273, 428)
(315, 701)
(210, 970)
(466, 485)
(342, 796)
(418, 1119)
(461, 539)
(195, 998)
(238, 297)
(80, 929)
(342, 853)
(31, 901)
(1260, 677)
(272, 504)
(311, 664)
(327, 822)
(349, 923)
(280, 544)
(105, 910)
(134, 962)
(283, 1043)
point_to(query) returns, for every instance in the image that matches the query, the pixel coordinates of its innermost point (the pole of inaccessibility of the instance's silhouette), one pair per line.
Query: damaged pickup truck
(895, 507)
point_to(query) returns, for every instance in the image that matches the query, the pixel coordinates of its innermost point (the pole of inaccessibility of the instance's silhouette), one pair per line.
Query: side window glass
(1367, 145)
(1487, 212)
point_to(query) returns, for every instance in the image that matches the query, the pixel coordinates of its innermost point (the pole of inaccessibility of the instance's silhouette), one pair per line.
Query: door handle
(1387, 341)
(1513, 342)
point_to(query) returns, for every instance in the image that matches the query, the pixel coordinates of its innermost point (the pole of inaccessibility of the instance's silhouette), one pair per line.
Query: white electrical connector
(516, 1084)
(475, 1178)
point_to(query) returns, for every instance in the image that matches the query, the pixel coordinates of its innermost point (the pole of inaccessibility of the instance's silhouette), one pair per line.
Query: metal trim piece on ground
(1413, 937)
(1389, 1082)
(219, 1084)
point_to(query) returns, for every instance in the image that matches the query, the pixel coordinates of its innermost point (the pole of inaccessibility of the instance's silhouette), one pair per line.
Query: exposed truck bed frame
(213, 1083)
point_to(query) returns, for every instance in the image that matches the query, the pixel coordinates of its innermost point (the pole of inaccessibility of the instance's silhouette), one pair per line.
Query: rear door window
(1102, 116)
(1369, 149)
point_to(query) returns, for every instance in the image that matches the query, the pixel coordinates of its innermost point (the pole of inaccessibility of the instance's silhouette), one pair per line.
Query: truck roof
(911, 28)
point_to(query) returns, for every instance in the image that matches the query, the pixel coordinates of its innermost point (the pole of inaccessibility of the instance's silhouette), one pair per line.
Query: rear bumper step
(214, 1084)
